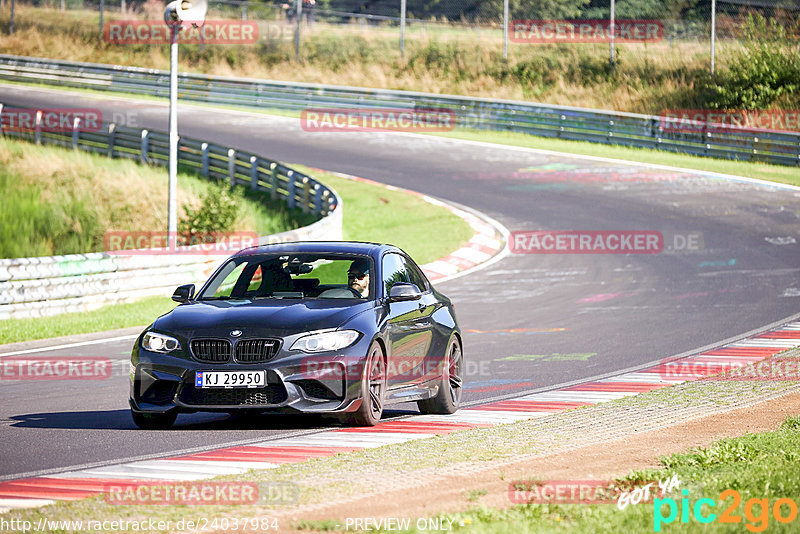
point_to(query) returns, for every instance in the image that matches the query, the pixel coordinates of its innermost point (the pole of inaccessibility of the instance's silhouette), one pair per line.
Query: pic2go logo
(757, 521)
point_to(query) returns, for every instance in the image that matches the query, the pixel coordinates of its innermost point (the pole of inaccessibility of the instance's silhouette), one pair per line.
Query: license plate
(230, 379)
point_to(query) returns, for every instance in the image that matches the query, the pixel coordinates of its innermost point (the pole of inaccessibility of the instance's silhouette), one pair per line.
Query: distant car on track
(340, 328)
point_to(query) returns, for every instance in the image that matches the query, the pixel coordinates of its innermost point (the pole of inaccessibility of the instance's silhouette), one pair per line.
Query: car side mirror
(183, 293)
(404, 291)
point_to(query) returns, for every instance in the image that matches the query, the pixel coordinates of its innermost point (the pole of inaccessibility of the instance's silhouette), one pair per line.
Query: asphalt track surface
(575, 315)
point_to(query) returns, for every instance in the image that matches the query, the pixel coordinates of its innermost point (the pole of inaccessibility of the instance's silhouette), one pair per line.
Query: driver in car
(358, 277)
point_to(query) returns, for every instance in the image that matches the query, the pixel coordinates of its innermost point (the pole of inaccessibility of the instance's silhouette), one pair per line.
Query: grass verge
(140, 312)
(747, 476)
(371, 213)
(57, 201)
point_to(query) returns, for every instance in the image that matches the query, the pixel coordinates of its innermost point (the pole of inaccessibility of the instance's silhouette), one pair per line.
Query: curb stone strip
(40, 491)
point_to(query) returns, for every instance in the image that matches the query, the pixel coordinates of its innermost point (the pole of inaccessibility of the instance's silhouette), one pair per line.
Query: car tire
(373, 390)
(154, 421)
(448, 399)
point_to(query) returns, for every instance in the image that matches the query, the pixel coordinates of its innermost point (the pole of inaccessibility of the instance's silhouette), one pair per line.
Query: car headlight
(159, 342)
(326, 341)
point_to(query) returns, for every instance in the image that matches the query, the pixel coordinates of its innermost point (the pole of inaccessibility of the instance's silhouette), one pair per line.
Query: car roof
(322, 247)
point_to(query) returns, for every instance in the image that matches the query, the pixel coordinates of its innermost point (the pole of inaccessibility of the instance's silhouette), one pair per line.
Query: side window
(394, 270)
(228, 278)
(416, 275)
(255, 281)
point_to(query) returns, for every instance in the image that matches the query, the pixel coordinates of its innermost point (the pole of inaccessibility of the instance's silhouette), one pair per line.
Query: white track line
(70, 345)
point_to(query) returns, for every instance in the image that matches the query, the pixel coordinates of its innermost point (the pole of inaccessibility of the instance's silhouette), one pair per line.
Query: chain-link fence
(657, 54)
(540, 22)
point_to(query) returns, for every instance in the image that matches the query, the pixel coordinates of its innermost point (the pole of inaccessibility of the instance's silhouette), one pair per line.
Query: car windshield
(301, 276)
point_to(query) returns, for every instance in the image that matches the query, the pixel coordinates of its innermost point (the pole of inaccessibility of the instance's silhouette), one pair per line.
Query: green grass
(57, 201)
(757, 466)
(139, 313)
(371, 213)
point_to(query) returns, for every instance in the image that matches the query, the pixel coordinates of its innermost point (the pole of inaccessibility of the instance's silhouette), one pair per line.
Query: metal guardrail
(562, 122)
(33, 287)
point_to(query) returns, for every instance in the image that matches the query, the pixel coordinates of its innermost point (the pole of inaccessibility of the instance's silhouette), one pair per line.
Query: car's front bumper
(296, 382)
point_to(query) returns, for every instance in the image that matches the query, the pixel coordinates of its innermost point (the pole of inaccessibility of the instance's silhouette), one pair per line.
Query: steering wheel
(339, 293)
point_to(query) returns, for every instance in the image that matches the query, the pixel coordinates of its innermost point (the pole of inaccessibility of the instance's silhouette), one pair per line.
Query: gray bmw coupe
(341, 328)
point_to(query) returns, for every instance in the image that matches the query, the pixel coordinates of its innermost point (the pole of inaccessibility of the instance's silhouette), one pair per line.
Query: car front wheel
(373, 389)
(448, 399)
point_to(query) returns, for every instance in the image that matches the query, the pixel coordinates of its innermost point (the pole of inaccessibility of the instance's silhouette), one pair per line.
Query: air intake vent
(256, 350)
(211, 350)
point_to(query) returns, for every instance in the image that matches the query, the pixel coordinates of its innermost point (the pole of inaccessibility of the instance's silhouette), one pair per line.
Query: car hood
(257, 318)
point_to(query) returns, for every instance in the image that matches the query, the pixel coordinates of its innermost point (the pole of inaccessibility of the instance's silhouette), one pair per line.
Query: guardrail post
(204, 158)
(38, 127)
(145, 146)
(1, 119)
(610, 130)
(317, 198)
(325, 203)
(561, 128)
(76, 132)
(232, 166)
(112, 129)
(306, 194)
(755, 148)
(273, 169)
(253, 173)
(291, 201)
